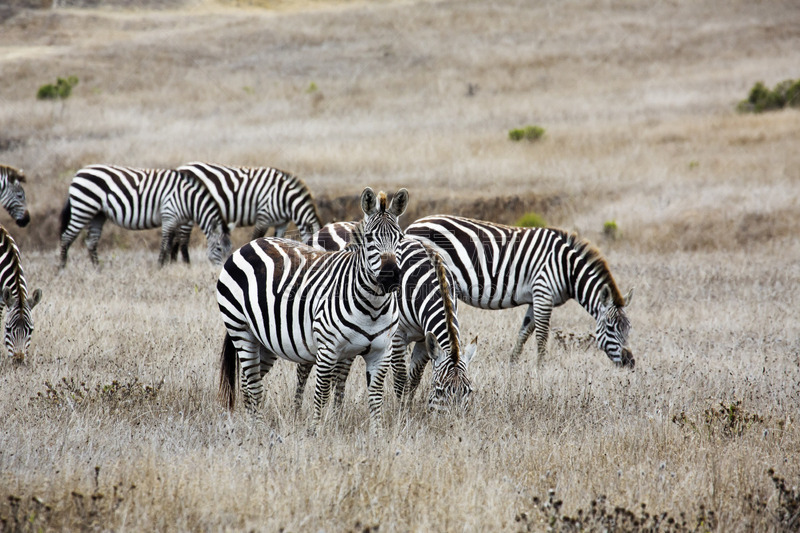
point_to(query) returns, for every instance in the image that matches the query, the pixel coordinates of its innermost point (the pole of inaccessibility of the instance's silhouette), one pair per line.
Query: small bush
(531, 220)
(547, 515)
(761, 98)
(529, 133)
(610, 229)
(60, 91)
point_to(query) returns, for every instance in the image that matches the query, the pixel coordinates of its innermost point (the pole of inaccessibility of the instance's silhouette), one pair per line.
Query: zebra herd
(349, 289)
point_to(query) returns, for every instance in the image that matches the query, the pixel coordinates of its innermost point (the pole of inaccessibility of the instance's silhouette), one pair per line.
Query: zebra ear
(399, 203)
(8, 297)
(35, 298)
(628, 297)
(469, 351)
(433, 347)
(368, 201)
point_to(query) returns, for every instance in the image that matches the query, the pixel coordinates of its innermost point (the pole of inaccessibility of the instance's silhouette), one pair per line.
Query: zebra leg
(168, 231)
(528, 323)
(398, 362)
(280, 229)
(542, 322)
(67, 238)
(254, 366)
(261, 228)
(181, 244)
(326, 373)
(303, 371)
(342, 371)
(378, 363)
(93, 236)
(416, 366)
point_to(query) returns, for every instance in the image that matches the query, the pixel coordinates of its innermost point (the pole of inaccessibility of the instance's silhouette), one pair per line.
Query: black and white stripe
(138, 199)
(428, 317)
(498, 267)
(256, 196)
(281, 298)
(16, 302)
(12, 195)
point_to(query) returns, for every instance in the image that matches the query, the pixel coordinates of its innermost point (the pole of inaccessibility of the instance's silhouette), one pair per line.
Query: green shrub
(530, 133)
(58, 91)
(761, 98)
(610, 229)
(531, 220)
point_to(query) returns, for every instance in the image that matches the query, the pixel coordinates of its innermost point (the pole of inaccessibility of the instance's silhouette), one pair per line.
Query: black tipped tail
(66, 214)
(228, 373)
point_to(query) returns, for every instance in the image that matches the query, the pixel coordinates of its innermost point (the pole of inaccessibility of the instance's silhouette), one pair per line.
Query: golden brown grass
(114, 424)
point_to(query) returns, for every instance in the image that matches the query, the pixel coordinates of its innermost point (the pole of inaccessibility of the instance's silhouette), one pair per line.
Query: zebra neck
(586, 282)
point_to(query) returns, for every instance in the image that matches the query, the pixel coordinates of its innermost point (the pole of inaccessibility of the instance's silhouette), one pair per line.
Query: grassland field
(113, 423)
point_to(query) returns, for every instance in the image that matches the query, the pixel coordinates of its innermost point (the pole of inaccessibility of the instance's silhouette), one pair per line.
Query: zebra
(137, 198)
(12, 195)
(254, 196)
(499, 267)
(19, 320)
(282, 298)
(428, 317)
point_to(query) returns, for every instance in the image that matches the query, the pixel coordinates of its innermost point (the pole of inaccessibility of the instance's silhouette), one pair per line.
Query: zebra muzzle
(626, 359)
(389, 274)
(23, 221)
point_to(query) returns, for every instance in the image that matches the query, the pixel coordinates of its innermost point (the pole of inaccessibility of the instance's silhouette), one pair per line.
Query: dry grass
(114, 424)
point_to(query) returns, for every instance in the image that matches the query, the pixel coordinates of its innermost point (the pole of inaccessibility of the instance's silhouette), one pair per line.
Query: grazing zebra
(428, 318)
(498, 267)
(140, 199)
(12, 195)
(257, 196)
(281, 298)
(19, 321)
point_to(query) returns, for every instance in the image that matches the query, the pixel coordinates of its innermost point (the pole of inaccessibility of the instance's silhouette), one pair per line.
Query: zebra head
(219, 244)
(378, 236)
(613, 327)
(308, 228)
(12, 195)
(451, 384)
(19, 322)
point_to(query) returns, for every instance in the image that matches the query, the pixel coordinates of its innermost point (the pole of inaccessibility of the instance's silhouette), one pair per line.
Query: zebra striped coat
(12, 195)
(16, 301)
(257, 196)
(428, 317)
(498, 267)
(140, 199)
(281, 298)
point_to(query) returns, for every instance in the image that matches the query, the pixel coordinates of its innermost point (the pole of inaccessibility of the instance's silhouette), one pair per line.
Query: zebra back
(258, 196)
(15, 301)
(12, 195)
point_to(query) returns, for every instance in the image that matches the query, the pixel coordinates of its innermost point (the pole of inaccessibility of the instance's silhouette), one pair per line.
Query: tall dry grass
(114, 424)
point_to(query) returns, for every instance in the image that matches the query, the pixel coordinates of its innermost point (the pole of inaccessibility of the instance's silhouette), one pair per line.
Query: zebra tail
(228, 373)
(66, 214)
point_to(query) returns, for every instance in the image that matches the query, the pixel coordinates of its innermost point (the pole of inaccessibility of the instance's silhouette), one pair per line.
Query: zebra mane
(382, 201)
(449, 310)
(301, 184)
(589, 253)
(357, 235)
(7, 243)
(10, 173)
